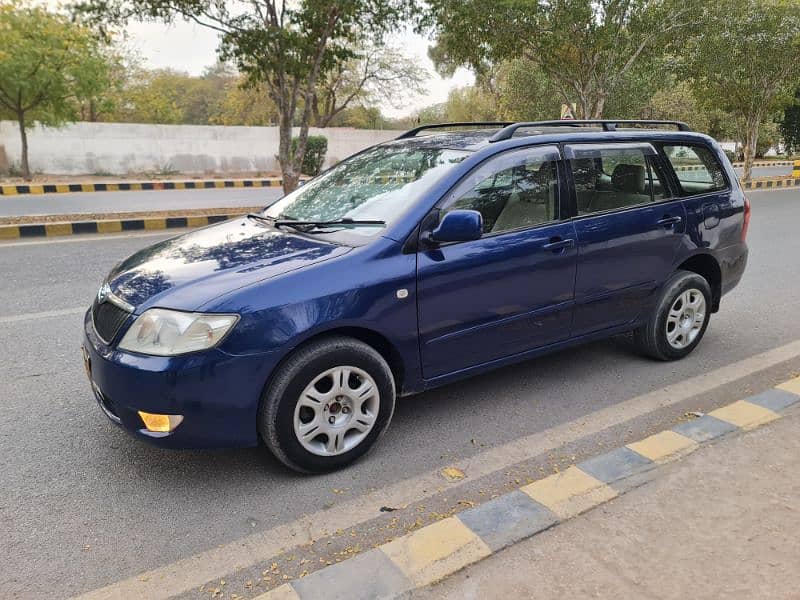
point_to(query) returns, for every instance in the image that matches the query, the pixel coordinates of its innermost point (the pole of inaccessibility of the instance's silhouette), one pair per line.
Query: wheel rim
(336, 411)
(686, 318)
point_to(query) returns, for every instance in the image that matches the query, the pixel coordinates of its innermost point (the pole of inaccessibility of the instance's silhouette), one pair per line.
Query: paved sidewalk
(722, 523)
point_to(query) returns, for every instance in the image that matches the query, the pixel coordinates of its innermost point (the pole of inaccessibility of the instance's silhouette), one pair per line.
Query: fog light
(160, 423)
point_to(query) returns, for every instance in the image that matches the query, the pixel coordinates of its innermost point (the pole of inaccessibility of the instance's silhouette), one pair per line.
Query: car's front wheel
(679, 318)
(327, 405)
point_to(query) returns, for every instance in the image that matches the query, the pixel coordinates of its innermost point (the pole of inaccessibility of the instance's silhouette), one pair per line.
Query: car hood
(190, 270)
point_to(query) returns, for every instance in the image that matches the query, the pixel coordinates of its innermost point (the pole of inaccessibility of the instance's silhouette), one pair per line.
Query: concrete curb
(768, 183)
(769, 163)
(436, 551)
(27, 231)
(63, 188)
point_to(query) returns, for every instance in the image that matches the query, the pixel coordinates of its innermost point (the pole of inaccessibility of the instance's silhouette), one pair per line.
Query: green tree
(746, 62)
(790, 125)
(48, 64)
(153, 96)
(586, 48)
(245, 104)
(526, 93)
(288, 47)
(376, 75)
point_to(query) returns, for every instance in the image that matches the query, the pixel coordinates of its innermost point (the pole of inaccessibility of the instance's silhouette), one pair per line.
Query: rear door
(712, 210)
(512, 289)
(629, 228)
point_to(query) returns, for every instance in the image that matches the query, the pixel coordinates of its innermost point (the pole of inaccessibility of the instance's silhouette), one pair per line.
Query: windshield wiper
(307, 226)
(258, 217)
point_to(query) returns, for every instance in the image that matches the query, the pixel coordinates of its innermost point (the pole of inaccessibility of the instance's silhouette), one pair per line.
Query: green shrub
(314, 158)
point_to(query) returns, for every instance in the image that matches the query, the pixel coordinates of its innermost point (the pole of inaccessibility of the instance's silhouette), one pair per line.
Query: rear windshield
(697, 168)
(379, 184)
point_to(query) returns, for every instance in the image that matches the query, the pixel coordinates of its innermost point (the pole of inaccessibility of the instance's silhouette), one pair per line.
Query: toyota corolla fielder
(415, 263)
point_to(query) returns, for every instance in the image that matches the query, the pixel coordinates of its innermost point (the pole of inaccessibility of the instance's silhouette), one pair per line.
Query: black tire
(277, 410)
(651, 338)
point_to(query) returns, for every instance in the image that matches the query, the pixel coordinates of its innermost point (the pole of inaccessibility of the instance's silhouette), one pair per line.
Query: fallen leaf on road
(453, 473)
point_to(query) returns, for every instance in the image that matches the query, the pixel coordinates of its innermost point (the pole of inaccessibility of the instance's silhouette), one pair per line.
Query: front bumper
(217, 393)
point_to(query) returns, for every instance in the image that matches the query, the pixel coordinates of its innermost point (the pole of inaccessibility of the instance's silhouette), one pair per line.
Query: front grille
(107, 319)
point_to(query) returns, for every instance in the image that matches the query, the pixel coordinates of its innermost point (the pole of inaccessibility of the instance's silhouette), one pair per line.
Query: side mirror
(458, 226)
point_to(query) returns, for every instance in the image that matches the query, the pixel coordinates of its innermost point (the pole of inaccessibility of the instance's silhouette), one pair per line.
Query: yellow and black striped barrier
(63, 188)
(772, 183)
(796, 169)
(38, 230)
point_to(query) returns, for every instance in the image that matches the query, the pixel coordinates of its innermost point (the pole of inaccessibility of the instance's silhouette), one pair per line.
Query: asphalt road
(103, 202)
(100, 202)
(84, 505)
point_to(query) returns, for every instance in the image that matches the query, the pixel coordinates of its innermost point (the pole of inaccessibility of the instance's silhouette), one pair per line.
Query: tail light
(746, 223)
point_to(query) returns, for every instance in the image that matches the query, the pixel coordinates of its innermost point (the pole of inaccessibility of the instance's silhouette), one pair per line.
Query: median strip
(136, 186)
(438, 550)
(38, 230)
(769, 183)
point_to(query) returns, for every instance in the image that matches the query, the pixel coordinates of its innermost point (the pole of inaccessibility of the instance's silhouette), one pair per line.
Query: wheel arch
(377, 341)
(708, 268)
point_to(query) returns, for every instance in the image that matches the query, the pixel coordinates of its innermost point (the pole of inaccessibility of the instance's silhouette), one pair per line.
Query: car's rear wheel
(679, 318)
(327, 405)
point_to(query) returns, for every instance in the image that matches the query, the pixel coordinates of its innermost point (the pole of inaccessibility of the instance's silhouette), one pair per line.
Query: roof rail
(607, 125)
(413, 132)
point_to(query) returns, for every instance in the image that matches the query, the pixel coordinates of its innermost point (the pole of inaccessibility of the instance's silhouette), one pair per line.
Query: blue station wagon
(449, 251)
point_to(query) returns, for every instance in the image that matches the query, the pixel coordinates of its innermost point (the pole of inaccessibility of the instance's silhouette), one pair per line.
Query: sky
(190, 47)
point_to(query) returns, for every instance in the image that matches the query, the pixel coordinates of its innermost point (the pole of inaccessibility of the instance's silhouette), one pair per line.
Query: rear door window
(697, 169)
(614, 176)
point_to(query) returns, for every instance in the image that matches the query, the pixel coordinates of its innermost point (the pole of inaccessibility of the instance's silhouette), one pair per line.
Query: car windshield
(375, 185)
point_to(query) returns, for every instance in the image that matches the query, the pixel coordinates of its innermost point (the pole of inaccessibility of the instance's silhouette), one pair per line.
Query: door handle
(557, 244)
(669, 221)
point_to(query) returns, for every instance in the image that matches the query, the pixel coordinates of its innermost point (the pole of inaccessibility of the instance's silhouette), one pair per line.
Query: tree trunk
(23, 136)
(599, 105)
(285, 156)
(751, 124)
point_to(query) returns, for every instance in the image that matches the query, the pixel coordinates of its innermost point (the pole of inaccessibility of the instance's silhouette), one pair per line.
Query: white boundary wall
(121, 148)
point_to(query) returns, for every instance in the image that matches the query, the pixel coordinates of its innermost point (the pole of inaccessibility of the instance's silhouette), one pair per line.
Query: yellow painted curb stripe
(433, 552)
(109, 226)
(155, 224)
(196, 221)
(63, 188)
(664, 446)
(570, 492)
(9, 233)
(58, 229)
(793, 385)
(744, 415)
(284, 592)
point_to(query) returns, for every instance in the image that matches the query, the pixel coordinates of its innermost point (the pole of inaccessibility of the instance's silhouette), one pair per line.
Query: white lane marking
(94, 237)
(46, 314)
(188, 573)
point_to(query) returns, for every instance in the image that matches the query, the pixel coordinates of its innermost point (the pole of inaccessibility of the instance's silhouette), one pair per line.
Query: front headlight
(163, 332)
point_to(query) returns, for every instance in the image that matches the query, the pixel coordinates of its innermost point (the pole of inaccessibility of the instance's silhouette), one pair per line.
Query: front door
(512, 289)
(629, 228)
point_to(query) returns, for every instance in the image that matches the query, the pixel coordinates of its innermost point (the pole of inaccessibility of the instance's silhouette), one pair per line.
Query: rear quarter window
(697, 168)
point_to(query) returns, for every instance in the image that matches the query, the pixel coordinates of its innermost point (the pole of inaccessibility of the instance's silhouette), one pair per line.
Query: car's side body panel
(494, 297)
(623, 257)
